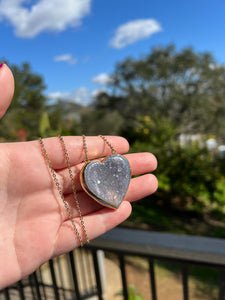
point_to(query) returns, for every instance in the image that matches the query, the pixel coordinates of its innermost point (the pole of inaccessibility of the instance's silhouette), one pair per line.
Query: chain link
(73, 186)
(113, 150)
(55, 179)
(87, 160)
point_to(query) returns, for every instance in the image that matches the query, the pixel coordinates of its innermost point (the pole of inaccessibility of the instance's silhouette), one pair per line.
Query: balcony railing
(80, 274)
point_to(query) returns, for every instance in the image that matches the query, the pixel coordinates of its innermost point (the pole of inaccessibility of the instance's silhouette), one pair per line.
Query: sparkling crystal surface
(108, 181)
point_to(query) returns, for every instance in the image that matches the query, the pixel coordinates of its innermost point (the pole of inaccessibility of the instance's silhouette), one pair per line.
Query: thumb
(6, 88)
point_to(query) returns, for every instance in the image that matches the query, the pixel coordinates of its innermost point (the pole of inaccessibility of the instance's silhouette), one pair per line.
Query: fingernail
(1, 65)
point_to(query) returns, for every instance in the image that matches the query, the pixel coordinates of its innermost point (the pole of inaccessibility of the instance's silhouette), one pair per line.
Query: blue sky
(75, 44)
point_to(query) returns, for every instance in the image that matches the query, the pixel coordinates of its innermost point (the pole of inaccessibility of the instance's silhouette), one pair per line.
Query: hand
(34, 225)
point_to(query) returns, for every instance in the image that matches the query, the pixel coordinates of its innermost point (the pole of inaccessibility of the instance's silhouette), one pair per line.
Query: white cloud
(134, 31)
(213, 66)
(81, 96)
(102, 79)
(66, 58)
(59, 95)
(44, 15)
(97, 92)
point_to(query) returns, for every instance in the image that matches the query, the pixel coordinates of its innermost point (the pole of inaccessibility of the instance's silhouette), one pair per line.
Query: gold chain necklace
(55, 179)
(87, 160)
(106, 182)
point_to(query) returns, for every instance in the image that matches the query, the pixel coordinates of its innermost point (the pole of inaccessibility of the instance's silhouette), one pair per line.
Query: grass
(203, 217)
(202, 281)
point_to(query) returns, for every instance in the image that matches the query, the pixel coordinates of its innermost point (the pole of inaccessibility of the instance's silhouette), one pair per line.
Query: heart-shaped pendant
(107, 182)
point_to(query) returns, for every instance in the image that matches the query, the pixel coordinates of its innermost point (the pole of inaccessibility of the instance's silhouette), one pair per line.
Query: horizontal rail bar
(203, 250)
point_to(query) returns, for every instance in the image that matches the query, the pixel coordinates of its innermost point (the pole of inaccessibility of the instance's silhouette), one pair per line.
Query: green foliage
(133, 294)
(186, 171)
(146, 212)
(219, 194)
(190, 172)
(44, 126)
(27, 106)
(95, 122)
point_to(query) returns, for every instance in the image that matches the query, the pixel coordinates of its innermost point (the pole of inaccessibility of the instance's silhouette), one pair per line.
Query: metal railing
(69, 276)
(78, 275)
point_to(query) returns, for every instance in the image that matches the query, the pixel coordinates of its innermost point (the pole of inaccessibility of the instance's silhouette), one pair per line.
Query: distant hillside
(69, 110)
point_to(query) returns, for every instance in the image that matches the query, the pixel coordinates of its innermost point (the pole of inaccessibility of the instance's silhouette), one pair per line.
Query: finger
(139, 188)
(74, 145)
(96, 224)
(6, 88)
(140, 163)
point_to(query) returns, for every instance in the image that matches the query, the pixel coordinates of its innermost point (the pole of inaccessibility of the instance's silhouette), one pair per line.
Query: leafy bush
(187, 172)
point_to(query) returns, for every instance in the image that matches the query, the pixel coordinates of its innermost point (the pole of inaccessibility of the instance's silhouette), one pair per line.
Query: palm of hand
(34, 225)
(30, 211)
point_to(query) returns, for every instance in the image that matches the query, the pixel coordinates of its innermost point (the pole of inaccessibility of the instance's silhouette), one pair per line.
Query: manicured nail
(1, 65)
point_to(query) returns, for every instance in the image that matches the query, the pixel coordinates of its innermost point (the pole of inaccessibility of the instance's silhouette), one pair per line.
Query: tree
(27, 106)
(103, 116)
(186, 87)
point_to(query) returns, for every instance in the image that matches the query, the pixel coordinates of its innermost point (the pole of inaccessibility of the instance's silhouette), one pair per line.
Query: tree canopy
(186, 87)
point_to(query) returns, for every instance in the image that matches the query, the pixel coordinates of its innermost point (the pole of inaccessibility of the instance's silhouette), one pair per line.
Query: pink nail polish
(1, 65)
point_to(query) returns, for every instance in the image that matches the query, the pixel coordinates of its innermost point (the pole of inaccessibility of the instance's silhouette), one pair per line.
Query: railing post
(54, 283)
(41, 282)
(101, 264)
(152, 278)
(92, 271)
(123, 276)
(185, 281)
(21, 291)
(221, 284)
(31, 286)
(97, 274)
(74, 275)
(82, 259)
(37, 285)
(6, 293)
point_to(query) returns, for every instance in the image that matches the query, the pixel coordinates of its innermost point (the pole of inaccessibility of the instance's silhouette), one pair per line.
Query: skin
(34, 225)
